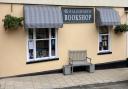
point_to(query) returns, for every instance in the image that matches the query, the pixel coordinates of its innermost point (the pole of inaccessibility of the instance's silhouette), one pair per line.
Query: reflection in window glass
(42, 48)
(104, 42)
(30, 33)
(103, 30)
(53, 32)
(31, 54)
(42, 33)
(31, 49)
(53, 47)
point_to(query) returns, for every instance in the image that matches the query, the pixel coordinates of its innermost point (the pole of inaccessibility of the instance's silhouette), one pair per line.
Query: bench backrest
(77, 54)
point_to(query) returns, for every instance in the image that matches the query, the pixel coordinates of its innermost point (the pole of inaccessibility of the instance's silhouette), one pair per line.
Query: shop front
(51, 31)
(42, 23)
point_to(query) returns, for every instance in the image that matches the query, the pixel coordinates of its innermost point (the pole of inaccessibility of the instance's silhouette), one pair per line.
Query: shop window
(104, 39)
(42, 44)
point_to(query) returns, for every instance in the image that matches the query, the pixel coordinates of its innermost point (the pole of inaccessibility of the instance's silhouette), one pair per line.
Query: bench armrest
(70, 60)
(90, 59)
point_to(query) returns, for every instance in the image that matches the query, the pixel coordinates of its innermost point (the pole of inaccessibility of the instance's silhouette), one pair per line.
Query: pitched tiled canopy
(40, 16)
(107, 17)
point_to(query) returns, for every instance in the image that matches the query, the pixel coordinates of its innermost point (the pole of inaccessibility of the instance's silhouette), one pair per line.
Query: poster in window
(31, 44)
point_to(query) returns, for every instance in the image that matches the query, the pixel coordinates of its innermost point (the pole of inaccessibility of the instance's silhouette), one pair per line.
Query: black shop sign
(78, 15)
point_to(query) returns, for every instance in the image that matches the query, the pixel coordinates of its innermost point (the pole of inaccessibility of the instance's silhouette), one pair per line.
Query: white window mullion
(50, 42)
(56, 34)
(28, 45)
(34, 39)
(109, 39)
(99, 39)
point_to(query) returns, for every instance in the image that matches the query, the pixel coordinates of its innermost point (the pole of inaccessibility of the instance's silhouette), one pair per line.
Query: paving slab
(110, 85)
(58, 80)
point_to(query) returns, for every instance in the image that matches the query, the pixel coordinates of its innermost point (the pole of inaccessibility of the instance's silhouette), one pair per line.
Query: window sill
(37, 61)
(104, 53)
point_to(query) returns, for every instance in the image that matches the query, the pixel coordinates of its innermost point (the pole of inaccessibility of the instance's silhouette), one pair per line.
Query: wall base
(108, 65)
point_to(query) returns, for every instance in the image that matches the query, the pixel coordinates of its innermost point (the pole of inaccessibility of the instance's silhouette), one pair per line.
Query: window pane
(105, 42)
(53, 33)
(31, 54)
(42, 33)
(103, 30)
(53, 47)
(31, 49)
(30, 31)
(103, 45)
(42, 48)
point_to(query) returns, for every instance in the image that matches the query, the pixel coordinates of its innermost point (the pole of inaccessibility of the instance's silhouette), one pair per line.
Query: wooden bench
(79, 58)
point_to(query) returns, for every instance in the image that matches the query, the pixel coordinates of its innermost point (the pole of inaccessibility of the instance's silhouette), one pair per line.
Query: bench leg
(67, 69)
(72, 68)
(91, 68)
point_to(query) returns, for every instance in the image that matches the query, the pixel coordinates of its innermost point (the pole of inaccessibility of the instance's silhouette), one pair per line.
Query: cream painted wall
(127, 36)
(13, 52)
(113, 3)
(13, 48)
(85, 36)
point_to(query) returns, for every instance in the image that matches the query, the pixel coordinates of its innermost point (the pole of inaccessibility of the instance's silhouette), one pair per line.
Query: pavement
(111, 85)
(58, 80)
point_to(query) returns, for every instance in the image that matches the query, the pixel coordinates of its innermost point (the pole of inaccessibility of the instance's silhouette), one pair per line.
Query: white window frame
(109, 41)
(34, 39)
